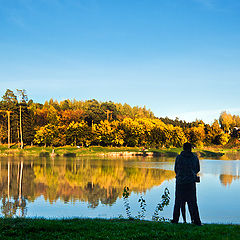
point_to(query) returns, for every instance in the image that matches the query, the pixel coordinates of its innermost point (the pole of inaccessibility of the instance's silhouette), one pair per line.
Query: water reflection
(11, 189)
(227, 179)
(92, 187)
(227, 171)
(88, 180)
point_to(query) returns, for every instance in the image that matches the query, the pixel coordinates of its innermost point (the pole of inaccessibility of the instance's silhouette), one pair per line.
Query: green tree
(26, 118)
(9, 104)
(94, 114)
(110, 110)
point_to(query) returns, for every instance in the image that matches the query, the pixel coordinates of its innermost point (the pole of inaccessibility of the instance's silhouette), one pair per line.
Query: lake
(93, 186)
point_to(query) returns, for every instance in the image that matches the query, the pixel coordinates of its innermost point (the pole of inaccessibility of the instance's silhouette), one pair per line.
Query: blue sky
(180, 58)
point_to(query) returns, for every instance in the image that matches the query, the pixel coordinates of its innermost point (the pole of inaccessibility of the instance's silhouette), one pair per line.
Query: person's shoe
(173, 221)
(197, 223)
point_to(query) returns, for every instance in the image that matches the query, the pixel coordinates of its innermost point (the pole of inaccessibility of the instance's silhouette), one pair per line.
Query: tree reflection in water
(12, 202)
(226, 179)
(71, 180)
(89, 180)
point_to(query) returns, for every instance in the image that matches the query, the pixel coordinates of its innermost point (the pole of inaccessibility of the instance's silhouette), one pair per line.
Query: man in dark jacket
(186, 169)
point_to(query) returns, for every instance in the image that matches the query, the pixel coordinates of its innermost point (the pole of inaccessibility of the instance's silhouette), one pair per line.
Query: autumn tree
(196, 135)
(46, 135)
(226, 121)
(78, 133)
(157, 134)
(132, 131)
(69, 115)
(178, 137)
(40, 117)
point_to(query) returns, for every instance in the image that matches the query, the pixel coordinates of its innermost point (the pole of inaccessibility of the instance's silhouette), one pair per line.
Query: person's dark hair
(187, 147)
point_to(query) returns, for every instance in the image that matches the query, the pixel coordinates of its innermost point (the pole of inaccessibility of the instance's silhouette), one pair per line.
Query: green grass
(92, 150)
(111, 229)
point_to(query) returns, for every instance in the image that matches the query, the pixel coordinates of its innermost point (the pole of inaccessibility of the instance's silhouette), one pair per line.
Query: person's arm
(176, 166)
(197, 165)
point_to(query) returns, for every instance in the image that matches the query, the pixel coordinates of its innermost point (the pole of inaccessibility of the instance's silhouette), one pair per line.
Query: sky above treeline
(180, 58)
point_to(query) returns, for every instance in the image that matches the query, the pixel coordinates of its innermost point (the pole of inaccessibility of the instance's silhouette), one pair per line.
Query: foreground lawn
(111, 229)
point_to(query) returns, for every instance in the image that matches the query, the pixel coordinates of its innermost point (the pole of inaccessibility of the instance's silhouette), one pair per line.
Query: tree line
(83, 123)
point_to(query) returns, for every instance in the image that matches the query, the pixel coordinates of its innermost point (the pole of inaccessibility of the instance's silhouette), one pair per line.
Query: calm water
(92, 187)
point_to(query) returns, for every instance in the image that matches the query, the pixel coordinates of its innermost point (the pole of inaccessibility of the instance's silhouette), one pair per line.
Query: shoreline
(70, 151)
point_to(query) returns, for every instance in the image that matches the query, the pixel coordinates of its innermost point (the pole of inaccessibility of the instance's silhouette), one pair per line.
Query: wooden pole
(9, 126)
(18, 136)
(21, 127)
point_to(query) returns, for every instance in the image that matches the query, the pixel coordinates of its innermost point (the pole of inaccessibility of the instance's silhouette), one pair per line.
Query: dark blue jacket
(186, 167)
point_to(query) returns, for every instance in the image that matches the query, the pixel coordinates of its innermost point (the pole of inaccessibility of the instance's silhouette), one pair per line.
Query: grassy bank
(63, 151)
(72, 151)
(111, 229)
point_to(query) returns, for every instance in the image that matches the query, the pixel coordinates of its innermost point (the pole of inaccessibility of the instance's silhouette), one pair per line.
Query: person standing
(186, 168)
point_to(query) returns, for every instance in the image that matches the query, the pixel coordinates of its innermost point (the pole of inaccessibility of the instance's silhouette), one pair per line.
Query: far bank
(76, 151)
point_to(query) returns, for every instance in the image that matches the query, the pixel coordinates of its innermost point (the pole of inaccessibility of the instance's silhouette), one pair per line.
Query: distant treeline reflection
(226, 179)
(89, 181)
(70, 180)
